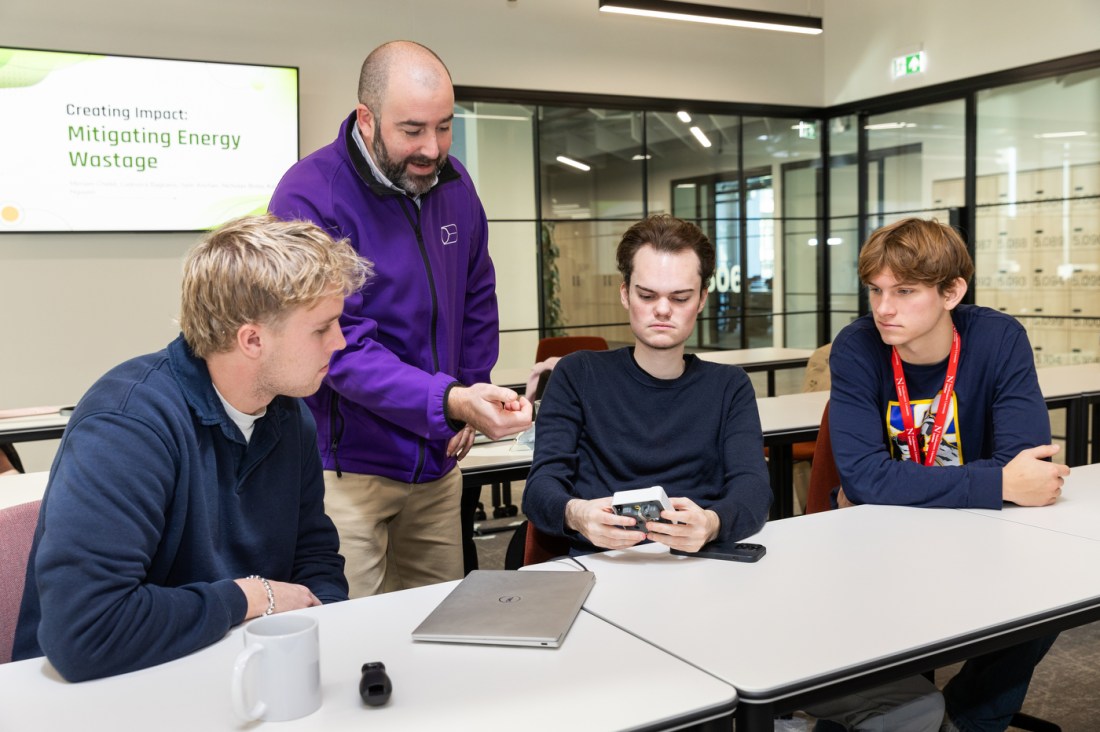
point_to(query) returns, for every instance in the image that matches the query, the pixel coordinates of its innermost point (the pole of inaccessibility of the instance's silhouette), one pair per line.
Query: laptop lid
(507, 607)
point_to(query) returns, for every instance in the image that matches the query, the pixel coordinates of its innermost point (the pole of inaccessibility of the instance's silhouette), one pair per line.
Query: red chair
(530, 546)
(823, 473)
(539, 547)
(564, 345)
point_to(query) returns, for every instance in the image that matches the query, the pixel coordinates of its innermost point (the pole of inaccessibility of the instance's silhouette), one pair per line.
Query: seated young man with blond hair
(186, 495)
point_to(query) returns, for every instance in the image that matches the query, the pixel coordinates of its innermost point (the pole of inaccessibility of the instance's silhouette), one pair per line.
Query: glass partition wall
(838, 256)
(1038, 211)
(1029, 209)
(495, 143)
(561, 183)
(1015, 165)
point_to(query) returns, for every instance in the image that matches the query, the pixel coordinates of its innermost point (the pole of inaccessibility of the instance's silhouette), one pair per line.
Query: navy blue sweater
(998, 411)
(605, 425)
(155, 505)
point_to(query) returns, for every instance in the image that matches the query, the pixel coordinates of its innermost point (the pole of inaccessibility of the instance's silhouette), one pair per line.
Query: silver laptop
(511, 608)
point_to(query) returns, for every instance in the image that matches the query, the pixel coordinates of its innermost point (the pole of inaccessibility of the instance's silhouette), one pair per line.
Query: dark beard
(397, 172)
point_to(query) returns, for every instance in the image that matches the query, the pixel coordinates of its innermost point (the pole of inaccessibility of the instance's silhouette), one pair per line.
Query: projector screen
(119, 143)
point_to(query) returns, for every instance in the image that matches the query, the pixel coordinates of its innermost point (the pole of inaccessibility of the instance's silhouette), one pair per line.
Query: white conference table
(785, 420)
(514, 377)
(761, 359)
(23, 488)
(1069, 381)
(1074, 388)
(489, 462)
(34, 427)
(845, 600)
(601, 679)
(1076, 512)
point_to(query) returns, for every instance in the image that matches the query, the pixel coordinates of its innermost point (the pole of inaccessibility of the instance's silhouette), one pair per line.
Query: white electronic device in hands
(643, 504)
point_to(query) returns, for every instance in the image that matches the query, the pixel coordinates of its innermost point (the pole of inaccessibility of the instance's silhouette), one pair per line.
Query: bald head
(405, 111)
(406, 62)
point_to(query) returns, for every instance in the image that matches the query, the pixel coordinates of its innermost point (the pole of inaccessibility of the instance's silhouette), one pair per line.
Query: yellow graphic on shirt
(924, 416)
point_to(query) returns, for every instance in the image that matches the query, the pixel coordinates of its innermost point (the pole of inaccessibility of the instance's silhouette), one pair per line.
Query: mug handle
(240, 705)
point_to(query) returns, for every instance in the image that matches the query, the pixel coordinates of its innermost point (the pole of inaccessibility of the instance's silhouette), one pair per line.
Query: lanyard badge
(911, 433)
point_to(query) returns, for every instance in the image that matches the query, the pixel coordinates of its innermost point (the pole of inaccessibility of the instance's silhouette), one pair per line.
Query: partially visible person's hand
(599, 523)
(692, 526)
(494, 410)
(842, 500)
(1031, 480)
(537, 371)
(461, 443)
(287, 596)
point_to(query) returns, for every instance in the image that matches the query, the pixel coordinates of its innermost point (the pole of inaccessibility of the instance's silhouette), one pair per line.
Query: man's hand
(599, 523)
(287, 596)
(842, 500)
(1030, 480)
(461, 443)
(494, 410)
(692, 526)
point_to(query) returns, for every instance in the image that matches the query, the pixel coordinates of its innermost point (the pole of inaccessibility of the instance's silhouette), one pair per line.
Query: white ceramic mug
(285, 681)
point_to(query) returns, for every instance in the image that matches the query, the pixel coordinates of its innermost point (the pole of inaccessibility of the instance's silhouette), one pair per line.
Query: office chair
(823, 473)
(528, 546)
(17, 525)
(824, 477)
(564, 345)
(816, 379)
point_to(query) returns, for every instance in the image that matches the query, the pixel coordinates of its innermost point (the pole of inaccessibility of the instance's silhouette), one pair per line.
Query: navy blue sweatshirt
(997, 411)
(605, 425)
(155, 505)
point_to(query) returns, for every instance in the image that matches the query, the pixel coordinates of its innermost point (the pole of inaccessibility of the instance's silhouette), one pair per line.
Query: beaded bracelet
(270, 592)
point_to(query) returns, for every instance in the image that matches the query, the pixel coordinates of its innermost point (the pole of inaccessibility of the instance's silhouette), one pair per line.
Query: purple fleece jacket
(426, 320)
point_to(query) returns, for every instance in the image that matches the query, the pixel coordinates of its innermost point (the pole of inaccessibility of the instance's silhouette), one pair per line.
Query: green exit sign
(909, 64)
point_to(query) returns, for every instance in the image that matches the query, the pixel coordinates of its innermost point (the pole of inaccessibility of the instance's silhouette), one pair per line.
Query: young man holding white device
(650, 415)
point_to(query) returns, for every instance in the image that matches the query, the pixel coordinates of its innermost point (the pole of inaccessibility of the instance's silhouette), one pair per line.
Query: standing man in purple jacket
(401, 403)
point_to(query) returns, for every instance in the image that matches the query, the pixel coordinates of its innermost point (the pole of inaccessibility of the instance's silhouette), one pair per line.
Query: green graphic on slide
(19, 68)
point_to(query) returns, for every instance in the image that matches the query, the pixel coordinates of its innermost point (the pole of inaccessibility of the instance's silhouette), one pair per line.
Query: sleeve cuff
(454, 424)
(234, 600)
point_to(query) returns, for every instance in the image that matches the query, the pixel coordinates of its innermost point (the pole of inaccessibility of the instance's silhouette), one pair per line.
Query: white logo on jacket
(448, 234)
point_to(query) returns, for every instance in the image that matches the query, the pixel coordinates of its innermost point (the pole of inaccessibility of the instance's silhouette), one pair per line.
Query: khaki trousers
(395, 535)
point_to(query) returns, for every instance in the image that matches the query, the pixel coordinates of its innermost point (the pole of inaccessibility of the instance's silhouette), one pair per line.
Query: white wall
(962, 38)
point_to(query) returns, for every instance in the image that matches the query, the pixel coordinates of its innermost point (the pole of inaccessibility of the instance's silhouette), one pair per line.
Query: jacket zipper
(415, 224)
(336, 430)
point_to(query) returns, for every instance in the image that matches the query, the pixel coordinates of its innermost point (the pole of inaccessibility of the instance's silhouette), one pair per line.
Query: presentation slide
(115, 143)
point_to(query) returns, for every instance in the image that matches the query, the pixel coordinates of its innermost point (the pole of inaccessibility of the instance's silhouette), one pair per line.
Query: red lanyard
(912, 433)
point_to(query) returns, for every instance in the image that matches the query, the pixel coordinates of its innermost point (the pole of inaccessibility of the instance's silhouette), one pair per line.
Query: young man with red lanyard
(935, 403)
